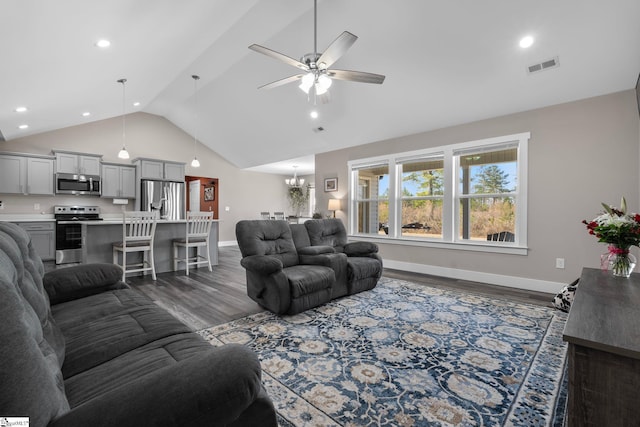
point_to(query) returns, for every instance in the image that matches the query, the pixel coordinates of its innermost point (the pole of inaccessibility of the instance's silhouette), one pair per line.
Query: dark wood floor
(205, 298)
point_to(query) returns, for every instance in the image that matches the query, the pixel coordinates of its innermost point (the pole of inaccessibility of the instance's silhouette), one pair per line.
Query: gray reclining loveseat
(288, 272)
(79, 348)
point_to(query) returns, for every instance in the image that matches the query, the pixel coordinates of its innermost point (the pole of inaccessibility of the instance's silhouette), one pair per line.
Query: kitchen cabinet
(160, 170)
(43, 238)
(26, 174)
(77, 163)
(40, 176)
(118, 181)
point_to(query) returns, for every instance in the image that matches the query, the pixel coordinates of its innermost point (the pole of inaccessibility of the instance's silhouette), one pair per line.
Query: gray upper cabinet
(77, 163)
(174, 171)
(118, 181)
(161, 170)
(40, 176)
(13, 174)
(26, 174)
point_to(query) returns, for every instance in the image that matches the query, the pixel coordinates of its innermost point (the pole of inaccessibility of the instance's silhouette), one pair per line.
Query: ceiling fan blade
(336, 49)
(279, 56)
(356, 76)
(282, 81)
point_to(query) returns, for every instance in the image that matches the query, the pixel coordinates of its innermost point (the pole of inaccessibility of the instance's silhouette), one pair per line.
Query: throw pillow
(563, 300)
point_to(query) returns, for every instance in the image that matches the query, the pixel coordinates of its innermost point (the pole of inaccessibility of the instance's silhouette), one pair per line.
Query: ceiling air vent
(544, 65)
(318, 129)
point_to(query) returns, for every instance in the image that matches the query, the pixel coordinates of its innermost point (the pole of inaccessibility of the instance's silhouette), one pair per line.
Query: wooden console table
(603, 333)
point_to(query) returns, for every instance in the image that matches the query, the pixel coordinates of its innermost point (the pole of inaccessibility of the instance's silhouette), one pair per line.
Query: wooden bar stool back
(197, 236)
(138, 232)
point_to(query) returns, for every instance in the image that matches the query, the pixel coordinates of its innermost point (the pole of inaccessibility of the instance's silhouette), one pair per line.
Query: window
(471, 194)
(487, 194)
(371, 200)
(422, 193)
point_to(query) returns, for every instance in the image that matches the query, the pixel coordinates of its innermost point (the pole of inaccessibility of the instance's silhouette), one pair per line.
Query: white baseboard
(227, 243)
(477, 276)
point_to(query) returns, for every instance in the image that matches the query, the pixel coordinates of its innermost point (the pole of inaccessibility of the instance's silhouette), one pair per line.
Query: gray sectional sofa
(79, 348)
(294, 267)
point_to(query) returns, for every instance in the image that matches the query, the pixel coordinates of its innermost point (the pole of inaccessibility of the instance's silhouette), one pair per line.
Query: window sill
(471, 246)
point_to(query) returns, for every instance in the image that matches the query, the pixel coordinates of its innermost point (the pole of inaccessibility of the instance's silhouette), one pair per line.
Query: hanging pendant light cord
(123, 81)
(195, 162)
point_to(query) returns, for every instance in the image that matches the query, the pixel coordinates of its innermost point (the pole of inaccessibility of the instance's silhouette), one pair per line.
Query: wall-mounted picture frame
(330, 184)
(209, 193)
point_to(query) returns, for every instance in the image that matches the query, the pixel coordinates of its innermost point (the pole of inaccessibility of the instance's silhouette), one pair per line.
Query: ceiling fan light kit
(317, 76)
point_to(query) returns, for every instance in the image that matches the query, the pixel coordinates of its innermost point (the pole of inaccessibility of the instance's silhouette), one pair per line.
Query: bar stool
(197, 235)
(138, 232)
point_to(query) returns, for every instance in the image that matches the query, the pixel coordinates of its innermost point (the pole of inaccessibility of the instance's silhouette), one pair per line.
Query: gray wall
(245, 193)
(580, 154)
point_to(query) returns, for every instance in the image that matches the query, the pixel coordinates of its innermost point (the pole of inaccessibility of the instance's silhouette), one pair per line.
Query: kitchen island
(99, 236)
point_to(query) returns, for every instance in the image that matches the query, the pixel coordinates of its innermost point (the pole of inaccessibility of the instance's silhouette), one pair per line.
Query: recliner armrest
(262, 264)
(316, 250)
(360, 248)
(80, 281)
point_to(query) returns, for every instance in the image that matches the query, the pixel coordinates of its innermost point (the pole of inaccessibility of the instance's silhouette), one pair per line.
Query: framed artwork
(330, 184)
(209, 194)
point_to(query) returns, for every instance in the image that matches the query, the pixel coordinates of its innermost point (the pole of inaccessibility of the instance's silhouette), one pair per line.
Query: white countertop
(27, 217)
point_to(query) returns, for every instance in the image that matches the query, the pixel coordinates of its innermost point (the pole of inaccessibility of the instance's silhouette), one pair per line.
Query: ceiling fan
(316, 77)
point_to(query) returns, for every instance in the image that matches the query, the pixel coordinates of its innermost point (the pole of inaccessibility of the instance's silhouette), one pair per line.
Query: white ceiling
(447, 62)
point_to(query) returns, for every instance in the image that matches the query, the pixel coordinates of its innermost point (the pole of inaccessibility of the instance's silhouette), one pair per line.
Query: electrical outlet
(559, 262)
(36, 206)
(227, 208)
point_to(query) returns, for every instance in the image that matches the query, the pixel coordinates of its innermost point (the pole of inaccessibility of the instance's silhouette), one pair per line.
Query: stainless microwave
(67, 183)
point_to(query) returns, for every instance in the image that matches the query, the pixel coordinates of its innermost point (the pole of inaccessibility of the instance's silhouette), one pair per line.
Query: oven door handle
(68, 222)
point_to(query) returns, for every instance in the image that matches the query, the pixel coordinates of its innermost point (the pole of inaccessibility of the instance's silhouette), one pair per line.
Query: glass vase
(620, 261)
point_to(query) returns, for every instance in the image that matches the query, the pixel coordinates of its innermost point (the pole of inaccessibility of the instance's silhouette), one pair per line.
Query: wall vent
(544, 65)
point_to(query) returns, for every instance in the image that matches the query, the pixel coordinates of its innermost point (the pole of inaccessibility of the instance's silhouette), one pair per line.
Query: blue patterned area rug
(406, 354)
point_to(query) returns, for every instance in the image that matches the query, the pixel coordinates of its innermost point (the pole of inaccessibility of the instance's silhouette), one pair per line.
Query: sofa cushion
(29, 369)
(307, 279)
(327, 232)
(267, 237)
(16, 245)
(362, 267)
(93, 340)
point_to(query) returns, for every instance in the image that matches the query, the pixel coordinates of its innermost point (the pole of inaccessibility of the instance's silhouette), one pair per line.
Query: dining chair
(138, 232)
(265, 215)
(198, 229)
(278, 215)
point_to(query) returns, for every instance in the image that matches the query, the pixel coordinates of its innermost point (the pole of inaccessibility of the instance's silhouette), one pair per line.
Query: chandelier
(295, 181)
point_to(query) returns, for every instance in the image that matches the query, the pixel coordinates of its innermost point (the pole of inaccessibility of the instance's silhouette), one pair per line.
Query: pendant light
(123, 154)
(195, 163)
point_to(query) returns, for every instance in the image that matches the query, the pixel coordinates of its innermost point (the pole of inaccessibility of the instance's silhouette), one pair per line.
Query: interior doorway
(203, 194)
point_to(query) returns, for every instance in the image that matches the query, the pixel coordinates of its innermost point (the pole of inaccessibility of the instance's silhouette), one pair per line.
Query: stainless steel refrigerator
(165, 196)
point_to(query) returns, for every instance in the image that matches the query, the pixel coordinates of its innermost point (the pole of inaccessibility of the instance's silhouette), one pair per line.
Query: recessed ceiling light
(103, 43)
(526, 42)
(23, 126)
(20, 109)
(136, 104)
(86, 114)
(314, 114)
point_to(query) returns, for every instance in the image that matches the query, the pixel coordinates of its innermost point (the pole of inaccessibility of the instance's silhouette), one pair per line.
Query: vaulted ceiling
(446, 62)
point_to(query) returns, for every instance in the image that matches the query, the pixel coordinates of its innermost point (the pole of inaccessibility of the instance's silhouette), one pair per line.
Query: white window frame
(451, 200)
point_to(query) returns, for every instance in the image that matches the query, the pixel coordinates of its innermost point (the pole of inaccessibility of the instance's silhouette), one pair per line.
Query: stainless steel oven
(67, 183)
(69, 231)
